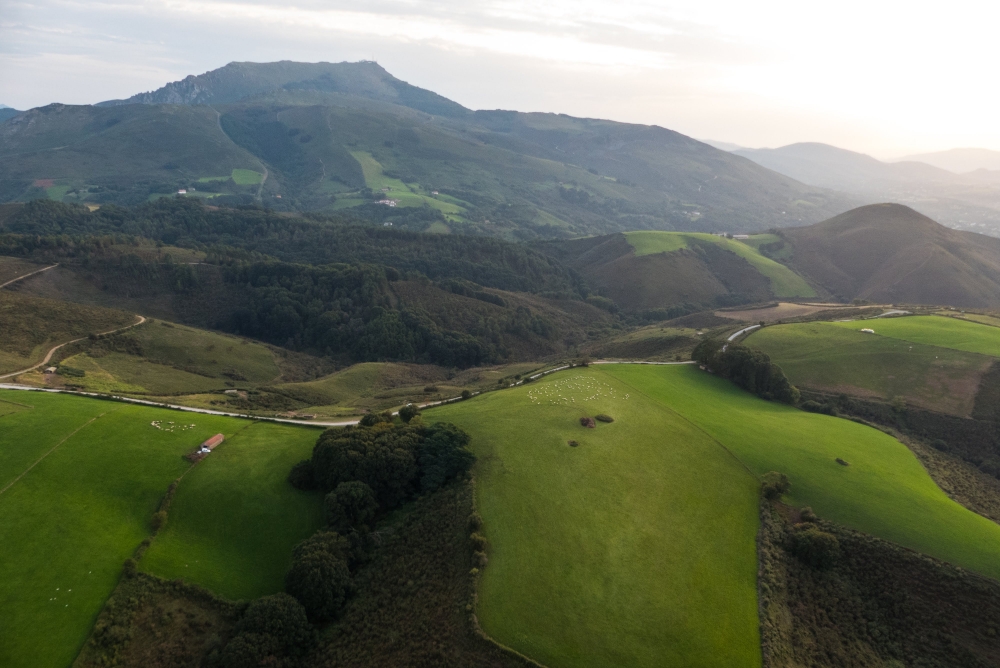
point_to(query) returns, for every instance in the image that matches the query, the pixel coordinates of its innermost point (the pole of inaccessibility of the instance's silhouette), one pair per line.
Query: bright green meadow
(936, 331)
(784, 281)
(636, 548)
(830, 357)
(235, 518)
(81, 479)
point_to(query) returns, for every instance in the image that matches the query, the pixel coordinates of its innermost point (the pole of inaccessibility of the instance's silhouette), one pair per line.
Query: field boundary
(53, 449)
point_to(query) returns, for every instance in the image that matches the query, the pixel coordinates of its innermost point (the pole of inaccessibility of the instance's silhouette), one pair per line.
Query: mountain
(723, 145)
(969, 201)
(831, 167)
(331, 136)
(960, 160)
(7, 112)
(239, 81)
(891, 253)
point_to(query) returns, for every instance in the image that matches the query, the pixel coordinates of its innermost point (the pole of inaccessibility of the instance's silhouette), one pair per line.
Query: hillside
(643, 271)
(960, 160)
(321, 136)
(891, 253)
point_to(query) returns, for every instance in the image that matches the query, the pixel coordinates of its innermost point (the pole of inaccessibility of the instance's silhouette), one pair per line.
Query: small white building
(182, 191)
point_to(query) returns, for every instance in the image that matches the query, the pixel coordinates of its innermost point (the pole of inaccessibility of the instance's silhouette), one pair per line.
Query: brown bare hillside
(891, 253)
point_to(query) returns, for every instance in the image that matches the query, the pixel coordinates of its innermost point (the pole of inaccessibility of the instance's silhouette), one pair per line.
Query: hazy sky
(882, 77)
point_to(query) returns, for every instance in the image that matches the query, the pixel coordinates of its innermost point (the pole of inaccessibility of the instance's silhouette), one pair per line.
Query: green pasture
(784, 281)
(828, 357)
(235, 518)
(935, 330)
(246, 177)
(991, 320)
(91, 475)
(406, 195)
(884, 491)
(128, 374)
(634, 549)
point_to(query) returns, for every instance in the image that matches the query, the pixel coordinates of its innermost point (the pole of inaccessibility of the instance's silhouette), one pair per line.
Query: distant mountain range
(333, 136)
(969, 201)
(960, 160)
(7, 112)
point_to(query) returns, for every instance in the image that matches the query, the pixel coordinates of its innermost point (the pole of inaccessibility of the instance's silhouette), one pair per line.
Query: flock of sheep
(558, 393)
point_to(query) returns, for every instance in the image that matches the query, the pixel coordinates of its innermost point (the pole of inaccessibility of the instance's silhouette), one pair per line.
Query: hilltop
(331, 136)
(891, 253)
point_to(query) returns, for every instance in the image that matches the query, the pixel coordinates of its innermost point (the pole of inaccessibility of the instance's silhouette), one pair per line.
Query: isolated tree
(408, 412)
(352, 505)
(319, 576)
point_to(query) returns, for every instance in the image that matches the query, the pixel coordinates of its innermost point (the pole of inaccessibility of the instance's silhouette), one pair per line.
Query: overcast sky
(886, 78)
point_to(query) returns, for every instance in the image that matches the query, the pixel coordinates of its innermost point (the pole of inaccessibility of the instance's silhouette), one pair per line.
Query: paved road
(306, 423)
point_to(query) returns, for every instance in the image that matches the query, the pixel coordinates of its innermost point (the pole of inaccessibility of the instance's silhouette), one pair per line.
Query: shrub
(319, 576)
(842, 462)
(475, 522)
(352, 505)
(807, 514)
(572, 444)
(775, 485)
(430, 389)
(408, 412)
(604, 418)
(466, 394)
(479, 560)
(815, 547)
(588, 422)
(478, 542)
(372, 419)
(158, 521)
(302, 477)
(274, 631)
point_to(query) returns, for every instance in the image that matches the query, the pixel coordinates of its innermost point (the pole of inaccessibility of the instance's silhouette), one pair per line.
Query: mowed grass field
(635, 548)
(784, 281)
(235, 518)
(81, 479)
(936, 330)
(834, 358)
(884, 491)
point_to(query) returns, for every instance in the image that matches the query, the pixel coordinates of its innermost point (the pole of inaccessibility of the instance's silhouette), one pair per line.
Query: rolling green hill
(944, 332)
(891, 253)
(560, 519)
(314, 131)
(836, 357)
(655, 270)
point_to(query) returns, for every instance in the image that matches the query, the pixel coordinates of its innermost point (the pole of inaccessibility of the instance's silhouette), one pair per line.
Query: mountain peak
(238, 81)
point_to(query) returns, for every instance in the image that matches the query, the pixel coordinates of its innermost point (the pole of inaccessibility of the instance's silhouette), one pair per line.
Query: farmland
(784, 281)
(573, 529)
(235, 517)
(833, 357)
(81, 479)
(939, 331)
(635, 548)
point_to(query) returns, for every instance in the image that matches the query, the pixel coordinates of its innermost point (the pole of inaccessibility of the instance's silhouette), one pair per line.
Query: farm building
(213, 442)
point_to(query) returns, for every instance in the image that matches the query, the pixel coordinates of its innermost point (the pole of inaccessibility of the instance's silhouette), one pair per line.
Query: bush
(302, 476)
(478, 542)
(319, 576)
(372, 419)
(842, 462)
(408, 412)
(466, 394)
(807, 514)
(604, 418)
(815, 547)
(775, 485)
(274, 631)
(588, 422)
(479, 560)
(352, 505)
(572, 444)
(475, 522)
(158, 521)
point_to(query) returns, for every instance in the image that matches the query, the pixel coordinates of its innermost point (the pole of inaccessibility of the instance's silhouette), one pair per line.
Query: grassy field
(634, 549)
(830, 357)
(80, 480)
(395, 189)
(935, 330)
(12, 267)
(884, 491)
(784, 281)
(235, 517)
(91, 475)
(572, 535)
(247, 177)
(991, 320)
